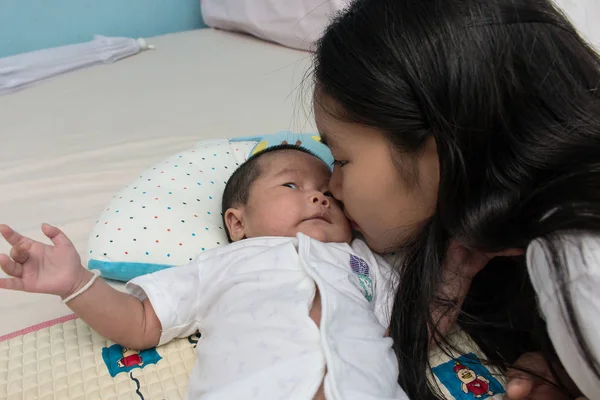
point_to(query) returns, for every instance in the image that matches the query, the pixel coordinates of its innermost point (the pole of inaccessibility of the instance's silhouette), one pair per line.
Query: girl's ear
(234, 221)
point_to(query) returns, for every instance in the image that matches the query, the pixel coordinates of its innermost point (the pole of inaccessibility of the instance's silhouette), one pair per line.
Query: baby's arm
(39, 268)
(117, 316)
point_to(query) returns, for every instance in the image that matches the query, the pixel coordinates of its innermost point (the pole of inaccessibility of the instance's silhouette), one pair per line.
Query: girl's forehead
(330, 129)
(338, 133)
(327, 111)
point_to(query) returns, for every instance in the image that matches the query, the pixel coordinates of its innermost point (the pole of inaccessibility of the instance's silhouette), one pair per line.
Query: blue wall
(27, 25)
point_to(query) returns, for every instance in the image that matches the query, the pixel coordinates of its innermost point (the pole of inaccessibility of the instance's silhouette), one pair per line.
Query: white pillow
(295, 24)
(172, 212)
(168, 215)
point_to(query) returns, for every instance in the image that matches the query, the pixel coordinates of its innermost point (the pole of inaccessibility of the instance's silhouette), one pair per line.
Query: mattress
(68, 144)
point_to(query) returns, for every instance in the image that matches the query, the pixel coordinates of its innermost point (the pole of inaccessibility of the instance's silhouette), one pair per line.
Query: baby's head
(282, 191)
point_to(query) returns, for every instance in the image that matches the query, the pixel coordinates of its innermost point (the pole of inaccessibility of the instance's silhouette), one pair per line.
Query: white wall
(585, 15)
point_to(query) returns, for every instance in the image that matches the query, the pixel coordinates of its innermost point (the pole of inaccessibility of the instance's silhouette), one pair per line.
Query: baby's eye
(291, 185)
(339, 163)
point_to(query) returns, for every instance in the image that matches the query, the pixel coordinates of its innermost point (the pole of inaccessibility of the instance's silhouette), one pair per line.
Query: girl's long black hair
(508, 90)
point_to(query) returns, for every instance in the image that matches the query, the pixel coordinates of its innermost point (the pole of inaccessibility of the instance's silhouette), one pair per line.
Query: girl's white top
(582, 266)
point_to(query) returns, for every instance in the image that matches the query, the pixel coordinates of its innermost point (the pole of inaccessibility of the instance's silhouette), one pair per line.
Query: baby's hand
(39, 268)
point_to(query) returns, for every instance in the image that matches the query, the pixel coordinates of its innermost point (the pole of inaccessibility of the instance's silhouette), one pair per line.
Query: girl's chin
(377, 247)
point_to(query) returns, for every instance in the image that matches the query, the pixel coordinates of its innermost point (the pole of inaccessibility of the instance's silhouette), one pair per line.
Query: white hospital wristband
(84, 288)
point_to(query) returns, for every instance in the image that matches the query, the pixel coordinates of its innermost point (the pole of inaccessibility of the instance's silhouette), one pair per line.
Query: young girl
(476, 121)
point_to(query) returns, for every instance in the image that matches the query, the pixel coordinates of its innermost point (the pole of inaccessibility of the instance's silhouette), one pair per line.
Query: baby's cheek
(278, 221)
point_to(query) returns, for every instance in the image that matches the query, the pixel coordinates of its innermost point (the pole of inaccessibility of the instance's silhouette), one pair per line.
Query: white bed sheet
(67, 145)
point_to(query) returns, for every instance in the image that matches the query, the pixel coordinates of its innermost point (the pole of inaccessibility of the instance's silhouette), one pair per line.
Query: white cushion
(168, 215)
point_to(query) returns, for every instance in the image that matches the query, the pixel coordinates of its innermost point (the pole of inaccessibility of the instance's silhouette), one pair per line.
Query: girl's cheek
(335, 182)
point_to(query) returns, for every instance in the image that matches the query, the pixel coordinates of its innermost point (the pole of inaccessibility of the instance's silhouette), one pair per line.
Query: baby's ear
(234, 221)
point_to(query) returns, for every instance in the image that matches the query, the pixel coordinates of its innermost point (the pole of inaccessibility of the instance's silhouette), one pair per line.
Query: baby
(292, 309)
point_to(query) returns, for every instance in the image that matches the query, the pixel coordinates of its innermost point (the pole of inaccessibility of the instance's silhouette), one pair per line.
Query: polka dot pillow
(172, 212)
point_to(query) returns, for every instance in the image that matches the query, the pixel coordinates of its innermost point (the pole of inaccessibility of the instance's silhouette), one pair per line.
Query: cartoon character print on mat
(309, 141)
(130, 358)
(361, 269)
(466, 378)
(121, 359)
(471, 382)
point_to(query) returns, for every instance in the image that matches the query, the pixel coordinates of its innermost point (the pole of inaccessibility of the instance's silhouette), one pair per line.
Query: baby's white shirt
(250, 301)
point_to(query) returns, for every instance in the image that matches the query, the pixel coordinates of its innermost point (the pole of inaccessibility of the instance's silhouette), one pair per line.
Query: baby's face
(289, 197)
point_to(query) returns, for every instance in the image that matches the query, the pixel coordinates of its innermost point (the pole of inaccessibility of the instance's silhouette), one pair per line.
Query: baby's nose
(320, 198)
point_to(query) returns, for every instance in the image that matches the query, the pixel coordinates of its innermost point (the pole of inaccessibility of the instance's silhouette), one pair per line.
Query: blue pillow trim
(125, 271)
(307, 140)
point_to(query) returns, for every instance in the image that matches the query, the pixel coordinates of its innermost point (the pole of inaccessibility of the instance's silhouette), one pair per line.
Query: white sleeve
(582, 255)
(174, 295)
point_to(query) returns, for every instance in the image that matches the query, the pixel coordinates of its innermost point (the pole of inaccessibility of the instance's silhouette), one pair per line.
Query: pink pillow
(295, 24)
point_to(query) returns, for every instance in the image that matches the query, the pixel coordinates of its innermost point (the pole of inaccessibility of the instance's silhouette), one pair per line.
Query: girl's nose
(335, 186)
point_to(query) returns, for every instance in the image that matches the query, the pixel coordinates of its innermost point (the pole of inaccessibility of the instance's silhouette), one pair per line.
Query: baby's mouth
(322, 216)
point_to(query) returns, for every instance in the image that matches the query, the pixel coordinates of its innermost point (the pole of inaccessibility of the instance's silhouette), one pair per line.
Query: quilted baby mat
(64, 359)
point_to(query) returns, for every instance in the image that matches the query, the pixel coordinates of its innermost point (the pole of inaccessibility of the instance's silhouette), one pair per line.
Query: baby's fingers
(19, 254)
(56, 235)
(10, 235)
(10, 267)
(11, 283)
